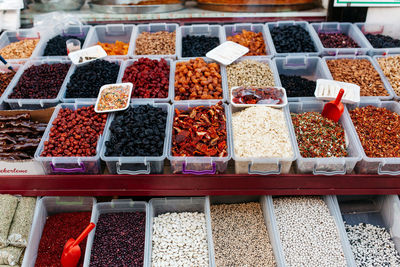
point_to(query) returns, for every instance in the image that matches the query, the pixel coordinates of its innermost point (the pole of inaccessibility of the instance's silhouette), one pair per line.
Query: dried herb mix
(22, 222)
(8, 204)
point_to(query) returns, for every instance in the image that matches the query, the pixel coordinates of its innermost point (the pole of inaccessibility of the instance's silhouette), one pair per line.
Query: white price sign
(366, 3)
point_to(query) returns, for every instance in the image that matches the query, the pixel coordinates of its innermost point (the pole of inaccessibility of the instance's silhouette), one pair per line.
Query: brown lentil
(253, 41)
(5, 79)
(360, 72)
(250, 73)
(378, 130)
(20, 49)
(391, 68)
(318, 137)
(157, 43)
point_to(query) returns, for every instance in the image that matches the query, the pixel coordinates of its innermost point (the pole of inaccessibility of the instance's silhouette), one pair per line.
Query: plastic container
(264, 165)
(224, 83)
(197, 30)
(158, 206)
(171, 88)
(273, 237)
(97, 52)
(110, 33)
(36, 103)
(391, 30)
(64, 88)
(385, 82)
(331, 202)
(138, 165)
(66, 165)
(4, 69)
(303, 24)
(332, 165)
(231, 30)
(375, 59)
(311, 68)
(329, 89)
(386, 166)
(383, 211)
(340, 27)
(45, 207)
(126, 88)
(156, 27)
(116, 206)
(9, 37)
(200, 165)
(253, 93)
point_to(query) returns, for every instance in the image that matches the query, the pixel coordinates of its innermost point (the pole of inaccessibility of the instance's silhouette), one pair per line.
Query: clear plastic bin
(385, 82)
(224, 83)
(273, 237)
(116, 206)
(392, 30)
(45, 207)
(65, 165)
(333, 165)
(64, 88)
(152, 28)
(383, 211)
(375, 59)
(111, 33)
(231, 30)
(36, 103)
(311, 68)
(340, 27)
(264, 165)
(9, 37)
(138, 165)
(170, 63)
(200, 165)
(303, 24)
(4, 69)
(158, 206)
(197, 30)
(387, 166)
(331, 202)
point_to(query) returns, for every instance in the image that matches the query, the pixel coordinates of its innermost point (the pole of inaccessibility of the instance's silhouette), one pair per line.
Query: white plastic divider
(387, 166)
(4, 69)
(117, 206)
(48, 206)
(385, 82)
(152, 28)
(329, 165)
(375, 59)
(140, 164)
(273, 238)
(9, 37)
(340, 27)
(332, 205)
(36, 103)
(63, 165)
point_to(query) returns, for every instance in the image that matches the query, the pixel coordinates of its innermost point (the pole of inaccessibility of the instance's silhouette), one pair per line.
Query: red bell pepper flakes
(318, 137)
(378, 130)
(59, 228)
(200, 132)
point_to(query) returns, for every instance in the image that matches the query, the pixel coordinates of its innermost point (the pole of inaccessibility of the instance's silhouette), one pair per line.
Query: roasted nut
(157, 43)
(20, 49)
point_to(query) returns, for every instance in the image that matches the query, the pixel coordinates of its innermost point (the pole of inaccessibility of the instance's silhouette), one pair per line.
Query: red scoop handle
(84, 234)
(339, 96)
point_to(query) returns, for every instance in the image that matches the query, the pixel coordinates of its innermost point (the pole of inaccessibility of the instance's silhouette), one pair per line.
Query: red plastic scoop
(333, 110)
(72, 252)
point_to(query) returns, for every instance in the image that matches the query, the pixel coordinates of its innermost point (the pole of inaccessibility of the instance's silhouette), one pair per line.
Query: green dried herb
(8, 205)
(21, 225)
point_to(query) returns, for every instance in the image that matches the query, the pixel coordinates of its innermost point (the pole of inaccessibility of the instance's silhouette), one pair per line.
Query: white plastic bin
(375, 59)
(303, 24)
(224, 83)
(197, 30)
(331, 202)
(9, 37)
(116, 206)
(392, 30)
(385, 82)
(36, 103)
(311, 68)
(171, 65)
(340, 27)
(332, 165)
(47, 206)
(158, 206)
(231, 30)
(138, 165)
(65, 165)
(273, 237)
(152, 28)
(200, 165)
(369, 165)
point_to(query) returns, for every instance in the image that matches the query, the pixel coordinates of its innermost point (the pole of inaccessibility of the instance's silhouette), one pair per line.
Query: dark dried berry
(292, 39)
(57, 46)
(198, 46)
(297, 86)
(337, 40)
(382, 41)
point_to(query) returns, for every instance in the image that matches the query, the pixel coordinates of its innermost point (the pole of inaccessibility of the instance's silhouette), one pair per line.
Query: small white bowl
(106, 86)
(284, 98)
(94, 51)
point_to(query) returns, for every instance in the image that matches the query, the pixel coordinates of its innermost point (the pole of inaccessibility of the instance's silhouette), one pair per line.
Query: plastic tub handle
(382, 172)
(336, 172)
(277, 171)
(145, 171)
(19, 37)
(81, 34)
(81, 169)
(185, 171)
